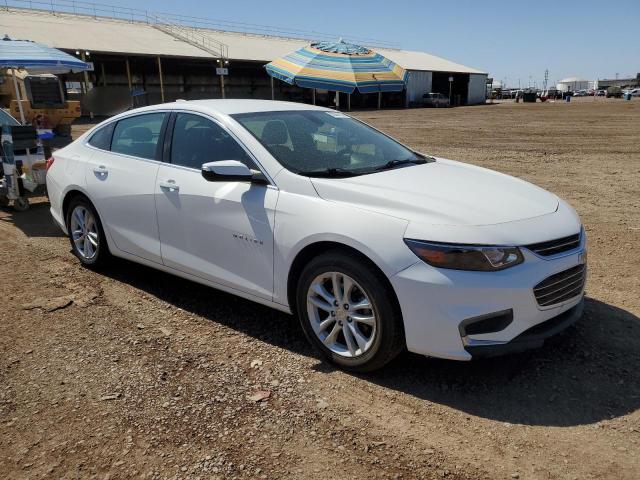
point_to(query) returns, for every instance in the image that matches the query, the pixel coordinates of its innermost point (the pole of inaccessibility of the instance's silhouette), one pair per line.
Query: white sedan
(375, 247)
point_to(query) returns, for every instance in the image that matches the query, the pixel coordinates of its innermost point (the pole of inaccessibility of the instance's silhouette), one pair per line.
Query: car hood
(443, 192)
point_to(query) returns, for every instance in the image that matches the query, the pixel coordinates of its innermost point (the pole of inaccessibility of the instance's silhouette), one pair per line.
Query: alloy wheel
(341, 314)
(84, 232)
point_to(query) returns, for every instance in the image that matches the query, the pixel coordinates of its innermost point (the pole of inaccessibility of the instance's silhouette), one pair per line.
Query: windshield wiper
(396, 163)
(330, 173)
(342, 173)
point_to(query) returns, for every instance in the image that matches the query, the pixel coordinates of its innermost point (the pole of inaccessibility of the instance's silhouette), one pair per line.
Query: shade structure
(339, 66)
(37, 58)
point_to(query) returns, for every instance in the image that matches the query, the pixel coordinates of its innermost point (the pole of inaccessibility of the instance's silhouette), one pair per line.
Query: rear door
(219, 231)
(121, 180)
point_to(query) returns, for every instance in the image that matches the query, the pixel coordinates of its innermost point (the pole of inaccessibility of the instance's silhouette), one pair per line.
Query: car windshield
(325, 143)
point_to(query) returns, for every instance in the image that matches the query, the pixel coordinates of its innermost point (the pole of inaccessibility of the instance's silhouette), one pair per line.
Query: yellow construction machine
(43, 100)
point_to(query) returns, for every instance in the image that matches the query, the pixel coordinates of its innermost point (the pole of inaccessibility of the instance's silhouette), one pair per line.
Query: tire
(21, 204)
(373, 343)
(92, 250)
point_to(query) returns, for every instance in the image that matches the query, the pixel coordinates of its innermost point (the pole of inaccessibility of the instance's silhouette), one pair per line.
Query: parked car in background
(580, 93)
(635, 92)
(550, 94)
(614, 92)
(374, 246)
(601, 93)
(433, 100)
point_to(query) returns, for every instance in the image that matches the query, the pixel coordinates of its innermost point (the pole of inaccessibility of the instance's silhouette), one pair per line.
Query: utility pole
(546, 79)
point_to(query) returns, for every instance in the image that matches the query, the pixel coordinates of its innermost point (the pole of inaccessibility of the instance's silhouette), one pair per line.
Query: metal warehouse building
(168, 59)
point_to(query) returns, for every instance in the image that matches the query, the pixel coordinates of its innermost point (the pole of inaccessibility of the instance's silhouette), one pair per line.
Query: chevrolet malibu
(374, 246)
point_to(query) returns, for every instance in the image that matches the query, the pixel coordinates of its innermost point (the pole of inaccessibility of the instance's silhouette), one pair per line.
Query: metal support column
(104, 75)
(273, 92)
(129, 75)
(161, 79)
(86, 81)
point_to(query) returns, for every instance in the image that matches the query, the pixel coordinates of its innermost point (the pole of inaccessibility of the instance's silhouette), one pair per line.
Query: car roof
(233, 106)
(222, 107)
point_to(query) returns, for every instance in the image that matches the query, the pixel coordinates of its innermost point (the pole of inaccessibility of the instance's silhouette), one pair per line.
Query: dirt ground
(132, 373)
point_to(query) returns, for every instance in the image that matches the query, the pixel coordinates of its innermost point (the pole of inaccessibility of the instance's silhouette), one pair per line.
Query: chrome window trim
(160, 162)
(124, 155)
(115, 120)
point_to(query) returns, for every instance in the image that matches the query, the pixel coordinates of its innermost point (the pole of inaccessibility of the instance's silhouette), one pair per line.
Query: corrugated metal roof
(573, 80)
(98, 35)
(424, 61)
(106, 35)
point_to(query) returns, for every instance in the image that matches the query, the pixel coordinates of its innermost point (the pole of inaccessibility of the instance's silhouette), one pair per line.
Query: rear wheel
(86, 234)
(348, 313)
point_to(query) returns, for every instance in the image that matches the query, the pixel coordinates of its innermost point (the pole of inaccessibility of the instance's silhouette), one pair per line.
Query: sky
(515, 40)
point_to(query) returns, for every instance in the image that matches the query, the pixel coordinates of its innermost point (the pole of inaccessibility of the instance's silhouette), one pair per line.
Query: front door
(121, 176)
(218, 231)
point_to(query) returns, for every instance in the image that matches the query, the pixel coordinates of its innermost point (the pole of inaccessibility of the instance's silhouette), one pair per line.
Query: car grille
(552, 247)
(561, 286)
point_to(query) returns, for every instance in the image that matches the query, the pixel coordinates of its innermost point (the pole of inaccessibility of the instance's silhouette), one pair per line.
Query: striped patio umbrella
(340, 67)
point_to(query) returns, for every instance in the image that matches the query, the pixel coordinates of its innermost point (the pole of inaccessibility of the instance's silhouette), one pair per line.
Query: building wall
(573, 86)
(418, 83)
(477, 89)
(620, 82)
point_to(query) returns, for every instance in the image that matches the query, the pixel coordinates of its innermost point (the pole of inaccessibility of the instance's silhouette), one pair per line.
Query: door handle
(101, 169)
(170, 185)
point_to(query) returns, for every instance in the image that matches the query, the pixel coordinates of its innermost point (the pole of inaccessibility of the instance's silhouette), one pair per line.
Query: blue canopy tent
(36, 58)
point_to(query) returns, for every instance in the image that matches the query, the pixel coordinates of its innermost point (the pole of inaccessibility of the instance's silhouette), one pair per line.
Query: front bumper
(435, 302)
(531, 338)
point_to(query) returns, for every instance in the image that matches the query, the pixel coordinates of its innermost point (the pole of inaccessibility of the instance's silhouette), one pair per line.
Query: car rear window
(102, 137)
(138, 136)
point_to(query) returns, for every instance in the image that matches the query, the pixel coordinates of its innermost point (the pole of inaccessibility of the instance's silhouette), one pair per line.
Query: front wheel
(348, 312)
(86, 235)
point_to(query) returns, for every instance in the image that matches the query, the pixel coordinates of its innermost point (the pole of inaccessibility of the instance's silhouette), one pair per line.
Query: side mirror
(231, 171)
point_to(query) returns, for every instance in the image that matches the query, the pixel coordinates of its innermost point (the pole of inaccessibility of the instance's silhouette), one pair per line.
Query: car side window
(197, 140)
(102, 137)
(138, 136)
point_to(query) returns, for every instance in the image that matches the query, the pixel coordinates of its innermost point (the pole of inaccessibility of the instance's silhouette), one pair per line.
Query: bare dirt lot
(132, 373)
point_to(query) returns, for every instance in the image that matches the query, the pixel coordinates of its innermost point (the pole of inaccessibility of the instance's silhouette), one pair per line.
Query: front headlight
(466, 257)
